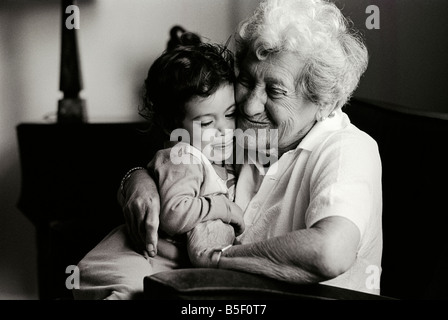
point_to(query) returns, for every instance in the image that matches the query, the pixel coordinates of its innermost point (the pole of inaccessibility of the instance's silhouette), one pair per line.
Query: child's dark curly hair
(180, 74)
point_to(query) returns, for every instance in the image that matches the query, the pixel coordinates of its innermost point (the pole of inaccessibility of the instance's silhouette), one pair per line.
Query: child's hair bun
(181, 37)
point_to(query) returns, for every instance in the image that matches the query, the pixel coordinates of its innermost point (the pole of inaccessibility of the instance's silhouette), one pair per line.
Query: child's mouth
(224, 145)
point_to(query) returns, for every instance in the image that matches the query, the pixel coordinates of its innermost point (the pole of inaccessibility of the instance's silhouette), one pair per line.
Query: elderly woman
(317, 216)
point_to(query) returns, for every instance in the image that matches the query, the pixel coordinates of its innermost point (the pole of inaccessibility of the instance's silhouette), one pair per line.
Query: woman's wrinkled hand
(141, 209)
(205, 238)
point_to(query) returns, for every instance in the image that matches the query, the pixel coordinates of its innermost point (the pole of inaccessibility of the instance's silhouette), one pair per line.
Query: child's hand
(236, 218)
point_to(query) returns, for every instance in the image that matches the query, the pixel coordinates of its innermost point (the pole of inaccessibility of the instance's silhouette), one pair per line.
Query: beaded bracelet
(126, 177)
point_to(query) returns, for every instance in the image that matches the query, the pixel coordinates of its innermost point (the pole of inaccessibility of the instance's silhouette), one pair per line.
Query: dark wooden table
(70, 177)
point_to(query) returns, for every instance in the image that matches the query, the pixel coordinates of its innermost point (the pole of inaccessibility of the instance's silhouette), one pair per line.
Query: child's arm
(182, 207)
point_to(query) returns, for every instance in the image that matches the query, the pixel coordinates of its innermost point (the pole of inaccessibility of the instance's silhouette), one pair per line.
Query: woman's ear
(325, 111)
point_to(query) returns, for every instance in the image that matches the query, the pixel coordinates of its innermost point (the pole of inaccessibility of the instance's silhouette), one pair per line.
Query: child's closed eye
(206, 123)
(231, 115)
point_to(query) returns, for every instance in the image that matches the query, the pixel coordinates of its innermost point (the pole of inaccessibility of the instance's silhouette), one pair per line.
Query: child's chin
(221, 157)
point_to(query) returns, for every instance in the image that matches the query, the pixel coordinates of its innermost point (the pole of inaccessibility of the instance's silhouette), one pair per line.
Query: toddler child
(190, 95)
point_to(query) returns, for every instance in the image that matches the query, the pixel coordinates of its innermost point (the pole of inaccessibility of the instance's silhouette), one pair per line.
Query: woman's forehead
(282, 66)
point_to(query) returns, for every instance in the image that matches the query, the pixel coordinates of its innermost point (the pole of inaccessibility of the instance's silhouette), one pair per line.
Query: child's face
(214, 118)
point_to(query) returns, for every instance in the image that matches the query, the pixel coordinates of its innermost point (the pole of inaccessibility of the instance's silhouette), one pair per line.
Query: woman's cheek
(240, 94)
(287, 131)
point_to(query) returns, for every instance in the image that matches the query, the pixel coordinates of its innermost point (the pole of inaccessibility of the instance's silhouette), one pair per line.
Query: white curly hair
(333, 52)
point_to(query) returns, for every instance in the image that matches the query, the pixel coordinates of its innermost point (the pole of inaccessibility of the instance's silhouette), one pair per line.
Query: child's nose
(221, 128)
(219, 132)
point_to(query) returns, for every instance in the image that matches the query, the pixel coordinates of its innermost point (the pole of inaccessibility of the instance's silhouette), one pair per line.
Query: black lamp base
(72, 111)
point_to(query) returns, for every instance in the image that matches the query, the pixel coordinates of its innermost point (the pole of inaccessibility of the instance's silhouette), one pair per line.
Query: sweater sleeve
(182, 206)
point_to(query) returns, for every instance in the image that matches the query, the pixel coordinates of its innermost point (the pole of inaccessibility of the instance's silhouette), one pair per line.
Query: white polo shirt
(334, 171)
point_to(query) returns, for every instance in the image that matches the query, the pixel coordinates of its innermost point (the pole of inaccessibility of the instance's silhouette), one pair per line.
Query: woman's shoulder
(350, 135)
(349, 152)
(348, 143)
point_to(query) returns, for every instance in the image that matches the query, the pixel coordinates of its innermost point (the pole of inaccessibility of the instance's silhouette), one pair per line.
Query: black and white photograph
(215, 151)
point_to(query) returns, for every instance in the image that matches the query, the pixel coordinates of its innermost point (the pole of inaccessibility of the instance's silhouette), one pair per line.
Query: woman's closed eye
(244, 81)
(276, 92)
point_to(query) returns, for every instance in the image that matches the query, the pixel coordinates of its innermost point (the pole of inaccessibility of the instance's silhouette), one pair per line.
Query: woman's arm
(141, 204)
(311, 255)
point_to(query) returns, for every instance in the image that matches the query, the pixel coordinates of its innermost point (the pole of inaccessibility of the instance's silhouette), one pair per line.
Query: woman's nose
(255, 103)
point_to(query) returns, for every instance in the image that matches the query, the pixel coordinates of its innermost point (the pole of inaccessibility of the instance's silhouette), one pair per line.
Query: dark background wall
(408, 64)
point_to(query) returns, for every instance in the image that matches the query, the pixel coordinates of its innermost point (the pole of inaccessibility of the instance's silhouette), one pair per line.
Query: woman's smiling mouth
(247, 123)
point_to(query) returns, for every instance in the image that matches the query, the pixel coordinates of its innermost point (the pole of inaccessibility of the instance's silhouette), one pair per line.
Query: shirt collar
(322, 129)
